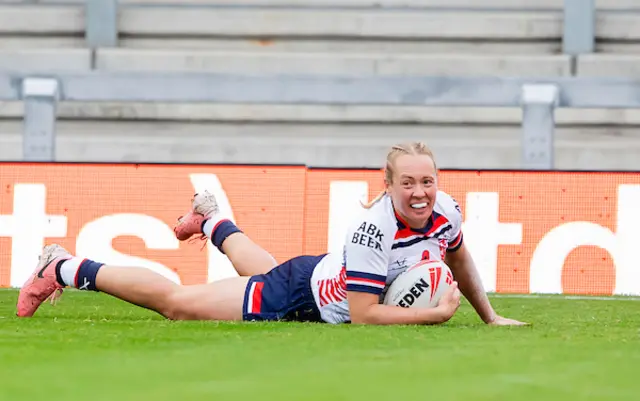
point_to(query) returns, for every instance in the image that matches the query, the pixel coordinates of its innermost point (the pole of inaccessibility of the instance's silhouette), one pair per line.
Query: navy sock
(58, 274)
(86, 278)
(222, 231)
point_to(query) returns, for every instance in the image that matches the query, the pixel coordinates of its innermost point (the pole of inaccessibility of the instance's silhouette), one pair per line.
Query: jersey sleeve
(366, 253)
(454, 215)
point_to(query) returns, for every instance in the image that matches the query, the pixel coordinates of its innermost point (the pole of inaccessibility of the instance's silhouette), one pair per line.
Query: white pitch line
(568, 297)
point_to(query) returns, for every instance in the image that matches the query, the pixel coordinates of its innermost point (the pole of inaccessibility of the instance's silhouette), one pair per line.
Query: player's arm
(464, 270)
(366, 259)
(462, 265)
(365, 309)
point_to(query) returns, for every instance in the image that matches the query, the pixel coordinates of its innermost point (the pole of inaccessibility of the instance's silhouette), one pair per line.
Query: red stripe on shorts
(256, 304)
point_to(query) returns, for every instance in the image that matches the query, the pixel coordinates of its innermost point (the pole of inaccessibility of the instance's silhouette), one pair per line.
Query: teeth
(419, 205)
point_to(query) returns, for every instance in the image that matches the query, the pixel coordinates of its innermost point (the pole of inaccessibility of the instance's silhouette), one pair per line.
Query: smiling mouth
(419, 205)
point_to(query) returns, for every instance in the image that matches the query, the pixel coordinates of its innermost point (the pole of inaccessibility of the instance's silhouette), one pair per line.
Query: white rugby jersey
(378, 247)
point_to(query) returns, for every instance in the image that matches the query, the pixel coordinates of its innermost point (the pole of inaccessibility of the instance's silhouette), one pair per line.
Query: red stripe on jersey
(365, 280)
(322, 291)
(433, 225)
(456, 241)
(406, 233)
(333, 290)
(439, 222)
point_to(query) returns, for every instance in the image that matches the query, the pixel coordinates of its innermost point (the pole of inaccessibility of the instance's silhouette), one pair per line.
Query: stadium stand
(506, 38)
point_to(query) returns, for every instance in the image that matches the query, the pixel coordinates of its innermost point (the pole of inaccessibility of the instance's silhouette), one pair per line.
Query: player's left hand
(503, 321)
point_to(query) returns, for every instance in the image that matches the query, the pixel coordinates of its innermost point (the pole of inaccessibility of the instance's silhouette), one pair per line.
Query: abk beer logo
(368, 235)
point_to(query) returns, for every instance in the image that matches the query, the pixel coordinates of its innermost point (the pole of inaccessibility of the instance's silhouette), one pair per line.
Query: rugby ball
(420, 286)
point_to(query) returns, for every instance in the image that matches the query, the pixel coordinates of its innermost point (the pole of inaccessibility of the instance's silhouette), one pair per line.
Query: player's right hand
(450, 302)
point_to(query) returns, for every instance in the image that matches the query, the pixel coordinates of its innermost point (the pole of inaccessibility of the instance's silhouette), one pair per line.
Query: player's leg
(247, 257)
(222, 300)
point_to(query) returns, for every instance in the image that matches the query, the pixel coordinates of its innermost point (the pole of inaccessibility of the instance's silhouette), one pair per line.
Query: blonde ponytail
(374, 200)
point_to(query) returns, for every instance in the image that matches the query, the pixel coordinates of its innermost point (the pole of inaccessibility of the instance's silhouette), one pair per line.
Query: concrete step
(58, 19)
(363, 64)
(330, 145)
(45, 60)
(339, 23)
(322, 114)
(501, 4)
(609, 65)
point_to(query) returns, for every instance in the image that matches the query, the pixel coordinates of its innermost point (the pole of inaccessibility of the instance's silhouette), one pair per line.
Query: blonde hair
(412, 148)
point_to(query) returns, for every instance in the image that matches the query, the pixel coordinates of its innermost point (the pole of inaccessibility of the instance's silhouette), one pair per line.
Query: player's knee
(176, 307)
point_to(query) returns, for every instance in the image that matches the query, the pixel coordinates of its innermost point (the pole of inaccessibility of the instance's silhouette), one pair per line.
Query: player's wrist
(437, 315)
(490, 317)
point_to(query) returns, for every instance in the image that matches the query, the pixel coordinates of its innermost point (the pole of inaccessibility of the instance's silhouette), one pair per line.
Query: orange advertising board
(529, 232)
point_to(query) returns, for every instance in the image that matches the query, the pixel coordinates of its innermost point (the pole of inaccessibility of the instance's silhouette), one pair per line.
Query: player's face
(414, 188)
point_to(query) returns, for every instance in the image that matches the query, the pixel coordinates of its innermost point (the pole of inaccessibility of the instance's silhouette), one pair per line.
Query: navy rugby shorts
(284, 293)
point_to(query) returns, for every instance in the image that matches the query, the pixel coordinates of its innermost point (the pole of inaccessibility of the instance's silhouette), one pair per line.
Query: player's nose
(419, 192)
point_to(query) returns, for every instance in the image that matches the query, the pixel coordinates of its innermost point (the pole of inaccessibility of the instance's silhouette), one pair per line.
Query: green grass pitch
(93, 347)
